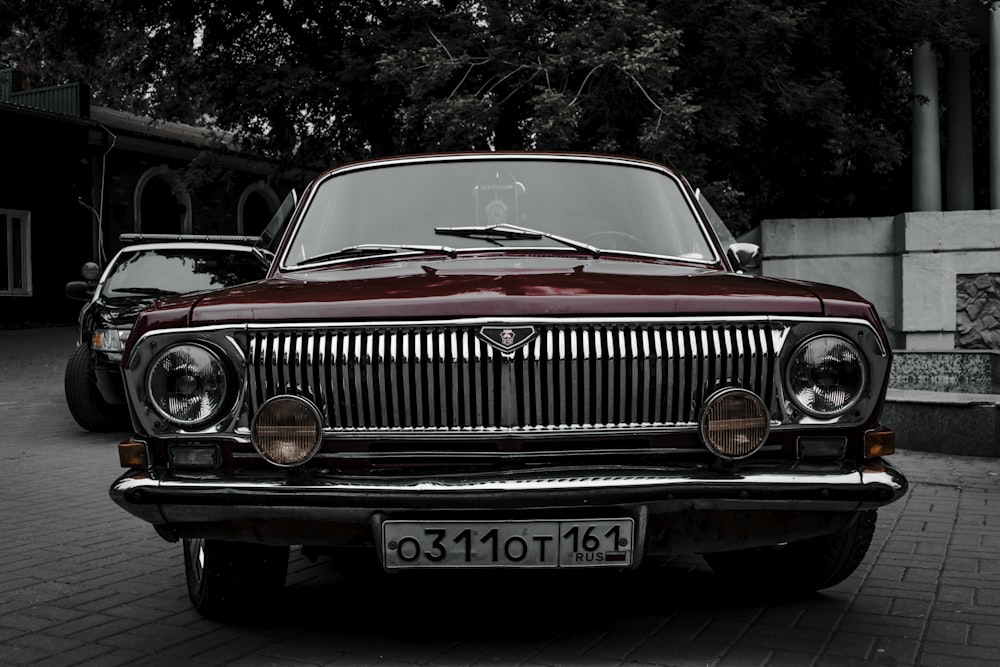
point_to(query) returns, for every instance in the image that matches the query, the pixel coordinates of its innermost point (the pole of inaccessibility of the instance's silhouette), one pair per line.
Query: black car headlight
(188, 384)
(826, 376)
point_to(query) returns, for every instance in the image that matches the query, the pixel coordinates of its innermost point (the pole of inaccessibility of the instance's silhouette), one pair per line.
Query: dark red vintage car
(508, 361)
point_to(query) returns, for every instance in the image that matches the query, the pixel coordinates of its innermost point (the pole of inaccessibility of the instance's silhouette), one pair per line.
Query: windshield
(168, 271)
(474, 204)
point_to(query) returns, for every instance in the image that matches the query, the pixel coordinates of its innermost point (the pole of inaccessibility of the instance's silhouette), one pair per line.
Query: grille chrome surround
(443, 378)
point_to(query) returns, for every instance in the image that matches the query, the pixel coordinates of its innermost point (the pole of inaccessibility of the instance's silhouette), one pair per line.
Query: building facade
(74, 177)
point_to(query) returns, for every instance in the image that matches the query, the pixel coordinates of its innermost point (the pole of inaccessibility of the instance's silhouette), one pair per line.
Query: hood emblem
(506, 339)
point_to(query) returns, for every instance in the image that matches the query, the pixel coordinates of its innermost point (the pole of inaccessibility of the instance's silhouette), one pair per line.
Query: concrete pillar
(926, 133)
(994, 106)
(958, 156)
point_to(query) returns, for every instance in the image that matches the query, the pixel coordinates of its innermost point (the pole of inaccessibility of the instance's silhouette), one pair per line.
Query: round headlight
(287, 430)
(734, 423)
(826, 376)
(187, 384)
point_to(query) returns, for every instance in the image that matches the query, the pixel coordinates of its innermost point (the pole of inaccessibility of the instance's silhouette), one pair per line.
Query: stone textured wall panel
(977, 311)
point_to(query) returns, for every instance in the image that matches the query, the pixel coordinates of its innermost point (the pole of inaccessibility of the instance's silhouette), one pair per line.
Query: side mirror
(744, 256)
(265, 256)
(79, 290)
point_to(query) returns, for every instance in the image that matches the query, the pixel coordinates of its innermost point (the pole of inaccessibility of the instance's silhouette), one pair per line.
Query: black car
(138, 275)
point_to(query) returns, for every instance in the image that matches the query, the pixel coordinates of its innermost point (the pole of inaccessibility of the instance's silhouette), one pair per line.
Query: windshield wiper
(505, 231)
(371, 249)
(145, 291)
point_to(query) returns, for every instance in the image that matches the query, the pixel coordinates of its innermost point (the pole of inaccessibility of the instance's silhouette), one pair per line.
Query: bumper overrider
(699, 508)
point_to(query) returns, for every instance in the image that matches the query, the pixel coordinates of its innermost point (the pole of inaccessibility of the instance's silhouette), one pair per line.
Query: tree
(552, 74)
(775, 108)
(805, 107)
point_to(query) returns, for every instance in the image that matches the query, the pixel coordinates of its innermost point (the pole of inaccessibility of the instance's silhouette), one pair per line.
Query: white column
(926, 133)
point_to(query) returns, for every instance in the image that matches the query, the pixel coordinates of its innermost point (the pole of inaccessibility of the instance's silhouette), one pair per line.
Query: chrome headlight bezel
(226, 343)
(217, 374)
(857, 390)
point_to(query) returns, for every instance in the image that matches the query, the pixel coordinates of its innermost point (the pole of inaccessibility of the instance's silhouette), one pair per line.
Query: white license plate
(535, 544)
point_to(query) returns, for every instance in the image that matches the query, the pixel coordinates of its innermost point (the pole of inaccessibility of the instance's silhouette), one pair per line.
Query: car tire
(84, 399)
(229, 580)
(808, 565)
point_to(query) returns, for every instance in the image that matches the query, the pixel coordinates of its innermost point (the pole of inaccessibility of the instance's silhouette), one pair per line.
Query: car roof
(512, 155)
(188, 245)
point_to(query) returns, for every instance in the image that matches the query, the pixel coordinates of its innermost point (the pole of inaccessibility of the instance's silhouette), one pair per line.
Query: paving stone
(961, 594)
(80, 654)
(850, 645)
(986, 635)
(13, 654)
(959, 651)
(896, 650)
(746, 657)
(947, 631)
(921, 575)
(989, 597)
(840, 661)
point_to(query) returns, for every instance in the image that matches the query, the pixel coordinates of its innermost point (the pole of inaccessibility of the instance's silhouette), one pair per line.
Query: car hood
(120, 312)
(507, 287)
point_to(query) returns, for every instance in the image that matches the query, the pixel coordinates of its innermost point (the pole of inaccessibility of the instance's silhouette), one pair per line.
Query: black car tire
(229, 580)
(808, 565)
(84, 399)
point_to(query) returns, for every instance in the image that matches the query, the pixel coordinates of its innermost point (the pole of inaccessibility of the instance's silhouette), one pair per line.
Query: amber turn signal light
(880, 442)
(133, 454)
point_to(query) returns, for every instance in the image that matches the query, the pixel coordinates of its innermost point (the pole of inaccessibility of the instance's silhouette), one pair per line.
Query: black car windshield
(161, 272)
(475, 203)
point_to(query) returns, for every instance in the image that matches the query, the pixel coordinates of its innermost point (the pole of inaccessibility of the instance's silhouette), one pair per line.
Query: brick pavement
(84, 583)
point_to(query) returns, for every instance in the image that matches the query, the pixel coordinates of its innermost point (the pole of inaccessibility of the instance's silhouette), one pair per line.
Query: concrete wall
(906, 265)
(857, 253)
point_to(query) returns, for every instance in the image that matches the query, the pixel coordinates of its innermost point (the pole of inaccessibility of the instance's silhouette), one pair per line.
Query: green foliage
(566, 75)
(773, 107)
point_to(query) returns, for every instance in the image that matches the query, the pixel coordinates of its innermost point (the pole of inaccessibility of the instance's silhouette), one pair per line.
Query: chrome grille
(444, 378)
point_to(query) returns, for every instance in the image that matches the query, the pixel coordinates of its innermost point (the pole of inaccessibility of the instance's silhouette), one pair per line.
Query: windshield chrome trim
(526, 250)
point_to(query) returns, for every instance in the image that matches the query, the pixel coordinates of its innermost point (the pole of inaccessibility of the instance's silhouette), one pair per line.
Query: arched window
(162, 204)
(257, 204)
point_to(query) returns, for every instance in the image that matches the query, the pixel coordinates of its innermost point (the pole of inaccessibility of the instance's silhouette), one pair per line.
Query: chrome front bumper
(283, 509)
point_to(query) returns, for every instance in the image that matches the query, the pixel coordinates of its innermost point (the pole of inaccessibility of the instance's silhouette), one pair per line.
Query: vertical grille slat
(535, 382)
(612, 401)
(632, 358)
(254, 360)
(579, 375)
(586, 381)
(656, 377)
(573, 388)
